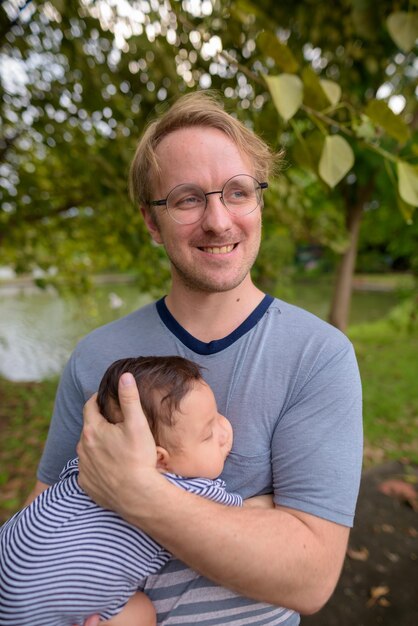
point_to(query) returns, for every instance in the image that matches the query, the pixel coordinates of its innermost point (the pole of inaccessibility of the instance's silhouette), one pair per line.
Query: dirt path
(379, 583)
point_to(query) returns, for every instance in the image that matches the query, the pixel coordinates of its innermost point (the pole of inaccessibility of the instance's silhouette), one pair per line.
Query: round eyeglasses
(186, 203)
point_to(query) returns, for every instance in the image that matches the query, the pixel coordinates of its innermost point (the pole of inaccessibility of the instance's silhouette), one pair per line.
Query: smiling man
(287, 381)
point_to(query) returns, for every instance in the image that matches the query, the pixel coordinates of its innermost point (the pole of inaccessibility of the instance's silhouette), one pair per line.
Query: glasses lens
(186, 204)
(241, 194)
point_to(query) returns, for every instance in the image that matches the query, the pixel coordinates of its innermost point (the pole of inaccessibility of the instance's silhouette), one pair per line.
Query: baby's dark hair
(163, 381)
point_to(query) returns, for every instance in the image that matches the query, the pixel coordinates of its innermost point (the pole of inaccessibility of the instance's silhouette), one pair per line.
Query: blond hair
(200, 108)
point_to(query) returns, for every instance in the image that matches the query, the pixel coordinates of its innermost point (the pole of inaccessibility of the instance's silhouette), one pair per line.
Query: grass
(388, 361)
(25, 411)
(387, 353)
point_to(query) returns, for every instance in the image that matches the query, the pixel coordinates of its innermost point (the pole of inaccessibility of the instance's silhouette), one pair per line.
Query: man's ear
(152, 226)
(163, 459)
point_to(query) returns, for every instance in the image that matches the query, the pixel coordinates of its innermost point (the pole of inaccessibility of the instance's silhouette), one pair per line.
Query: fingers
(90, 411)
(128, 391)
(103, 444)
(92, 621)
(129, 401)
(134, 421)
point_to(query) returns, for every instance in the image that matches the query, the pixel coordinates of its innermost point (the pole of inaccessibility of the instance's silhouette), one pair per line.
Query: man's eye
(209, 437)
(188, 202)
(191, 200)
(237, 194)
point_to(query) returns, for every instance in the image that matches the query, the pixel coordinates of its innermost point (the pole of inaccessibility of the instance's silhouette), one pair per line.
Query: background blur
(332, 83)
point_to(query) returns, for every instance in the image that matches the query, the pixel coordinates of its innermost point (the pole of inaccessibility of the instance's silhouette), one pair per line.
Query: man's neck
(211, 316)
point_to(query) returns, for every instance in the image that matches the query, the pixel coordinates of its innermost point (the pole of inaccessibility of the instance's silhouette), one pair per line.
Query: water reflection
(38, 330)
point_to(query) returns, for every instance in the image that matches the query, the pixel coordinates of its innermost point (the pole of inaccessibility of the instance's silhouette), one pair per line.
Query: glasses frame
(163, 202)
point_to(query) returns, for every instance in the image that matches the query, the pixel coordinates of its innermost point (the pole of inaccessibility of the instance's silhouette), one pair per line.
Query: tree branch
(37, 217)
(329, 121)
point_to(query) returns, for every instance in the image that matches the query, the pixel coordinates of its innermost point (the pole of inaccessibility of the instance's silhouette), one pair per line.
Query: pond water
(38, 329)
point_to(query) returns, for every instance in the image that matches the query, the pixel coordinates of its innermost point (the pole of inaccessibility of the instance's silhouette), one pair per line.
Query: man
(287, 381)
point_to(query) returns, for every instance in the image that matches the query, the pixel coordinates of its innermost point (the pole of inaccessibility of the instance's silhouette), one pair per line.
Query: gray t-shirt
(289, 384)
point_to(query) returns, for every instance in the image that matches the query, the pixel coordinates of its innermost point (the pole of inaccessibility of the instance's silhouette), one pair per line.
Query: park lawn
(25, 411)
(388, 361)
(388, 364)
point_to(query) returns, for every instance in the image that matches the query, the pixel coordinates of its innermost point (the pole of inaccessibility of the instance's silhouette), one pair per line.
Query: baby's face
(201, 437)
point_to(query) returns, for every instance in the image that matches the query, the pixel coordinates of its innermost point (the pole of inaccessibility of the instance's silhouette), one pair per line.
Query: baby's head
(192, 438)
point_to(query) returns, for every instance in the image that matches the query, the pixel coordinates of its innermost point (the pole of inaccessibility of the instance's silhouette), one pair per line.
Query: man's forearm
(276, 556)
(38, 488)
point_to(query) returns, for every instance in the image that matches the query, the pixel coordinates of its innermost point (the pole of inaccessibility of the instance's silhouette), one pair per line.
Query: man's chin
(209, 284)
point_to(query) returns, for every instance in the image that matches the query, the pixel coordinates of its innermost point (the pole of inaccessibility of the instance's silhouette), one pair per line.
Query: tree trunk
(341, 300)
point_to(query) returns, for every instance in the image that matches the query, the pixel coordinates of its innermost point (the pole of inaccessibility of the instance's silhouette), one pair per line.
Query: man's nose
(216, 217)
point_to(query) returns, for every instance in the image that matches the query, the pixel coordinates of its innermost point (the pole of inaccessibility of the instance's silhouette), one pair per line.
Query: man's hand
(112, 454)
(94, 620)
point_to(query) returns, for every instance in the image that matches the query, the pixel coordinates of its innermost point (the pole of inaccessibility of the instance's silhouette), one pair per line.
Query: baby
(64, 558)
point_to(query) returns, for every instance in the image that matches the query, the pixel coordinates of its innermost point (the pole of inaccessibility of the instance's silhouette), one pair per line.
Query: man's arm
(36, 491)
(281, 556)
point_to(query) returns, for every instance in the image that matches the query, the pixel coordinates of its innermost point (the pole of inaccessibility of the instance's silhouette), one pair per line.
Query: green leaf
(403, 28)
(332, 90)
(337, 159)
(287, 93)
(306, 151)
(59, 5)
(278, 51)
(301, 154)
(380, 113)
(242, 10)
(406, 210)
(314, 95)
(408, 182)
(364, 128)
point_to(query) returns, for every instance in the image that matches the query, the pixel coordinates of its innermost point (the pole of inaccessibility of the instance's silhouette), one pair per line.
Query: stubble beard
(199, 281)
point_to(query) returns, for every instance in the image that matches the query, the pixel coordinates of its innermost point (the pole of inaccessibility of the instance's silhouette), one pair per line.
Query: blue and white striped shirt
(64, 558)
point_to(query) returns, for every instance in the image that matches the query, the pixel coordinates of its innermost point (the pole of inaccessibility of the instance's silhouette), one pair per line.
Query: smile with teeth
(218, 249)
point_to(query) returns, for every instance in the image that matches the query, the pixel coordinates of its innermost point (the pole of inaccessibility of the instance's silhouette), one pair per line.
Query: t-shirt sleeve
(65, 428)
(207, 488)
(317, 442)
(221, 495)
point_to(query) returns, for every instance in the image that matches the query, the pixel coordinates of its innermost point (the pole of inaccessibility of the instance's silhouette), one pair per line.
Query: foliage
(80, 79)
(386, 242)
(69, 133)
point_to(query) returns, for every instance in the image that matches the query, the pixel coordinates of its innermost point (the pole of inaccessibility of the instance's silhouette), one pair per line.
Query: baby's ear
(163, 459)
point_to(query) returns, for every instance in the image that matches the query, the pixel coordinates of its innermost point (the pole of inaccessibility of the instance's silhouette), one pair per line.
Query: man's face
(216, 253)
(200, 439)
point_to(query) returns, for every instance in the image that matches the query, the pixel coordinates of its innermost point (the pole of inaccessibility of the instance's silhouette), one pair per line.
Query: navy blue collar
(200, 347)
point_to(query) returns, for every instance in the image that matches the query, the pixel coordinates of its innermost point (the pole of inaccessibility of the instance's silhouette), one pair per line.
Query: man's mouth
(218, 249)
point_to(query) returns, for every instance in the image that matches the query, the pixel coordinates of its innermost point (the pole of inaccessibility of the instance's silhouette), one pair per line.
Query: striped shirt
(64, 558)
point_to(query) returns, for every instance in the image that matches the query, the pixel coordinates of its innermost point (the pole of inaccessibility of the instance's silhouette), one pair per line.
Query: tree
(72, 108)
(319, 78)
(335, 74)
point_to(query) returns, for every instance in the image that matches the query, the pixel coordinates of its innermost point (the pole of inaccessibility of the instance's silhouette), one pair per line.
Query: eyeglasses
(186, 203)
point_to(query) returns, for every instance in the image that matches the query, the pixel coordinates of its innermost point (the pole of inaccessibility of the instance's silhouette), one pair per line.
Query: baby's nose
(225, 431)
